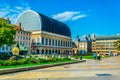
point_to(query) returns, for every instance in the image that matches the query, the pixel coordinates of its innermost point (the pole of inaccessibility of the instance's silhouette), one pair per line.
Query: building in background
(104, 44)
(83, 45)
(22, 38)
(48, 35)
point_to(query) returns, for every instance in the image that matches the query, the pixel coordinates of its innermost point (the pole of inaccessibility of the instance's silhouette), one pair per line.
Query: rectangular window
(42, 41)
(46, 41)
(3, 48)
(49, 41)
(6, 48)
(53, 42)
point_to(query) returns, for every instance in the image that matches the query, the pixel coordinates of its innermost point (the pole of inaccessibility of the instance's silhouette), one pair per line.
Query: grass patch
(32, 64)
(88, 57)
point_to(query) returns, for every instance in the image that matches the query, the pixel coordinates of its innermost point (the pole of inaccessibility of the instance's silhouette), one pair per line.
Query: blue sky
(101, 17)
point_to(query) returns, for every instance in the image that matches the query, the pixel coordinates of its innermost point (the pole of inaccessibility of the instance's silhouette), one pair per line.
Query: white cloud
(2, 14)
(68, 15)
(10, 10)
(78, 17)
(19, 7)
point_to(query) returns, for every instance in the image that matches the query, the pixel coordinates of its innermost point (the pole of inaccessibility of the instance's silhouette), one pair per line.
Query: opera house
(49, 36)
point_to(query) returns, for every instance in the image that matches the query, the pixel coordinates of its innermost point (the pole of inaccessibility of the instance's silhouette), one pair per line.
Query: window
(6, 48)
(3, 48)
(49, 41)
(66, 43)
(56, 42)
(42, 41)
(61, 43)
(38, 43)
(46, 41)
(10, 48)
(53, 42)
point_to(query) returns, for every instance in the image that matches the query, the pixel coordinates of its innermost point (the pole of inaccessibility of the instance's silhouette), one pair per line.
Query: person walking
(98, 56)
(94, 55)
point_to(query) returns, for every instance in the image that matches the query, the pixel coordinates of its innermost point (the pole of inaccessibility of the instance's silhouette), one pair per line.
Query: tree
(117, 45)
(7, 32)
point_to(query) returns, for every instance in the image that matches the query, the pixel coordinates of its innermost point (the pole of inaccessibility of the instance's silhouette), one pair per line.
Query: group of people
(97, 56)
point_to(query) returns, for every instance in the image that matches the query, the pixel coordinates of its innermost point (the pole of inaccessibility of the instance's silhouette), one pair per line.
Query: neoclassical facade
(48, 35)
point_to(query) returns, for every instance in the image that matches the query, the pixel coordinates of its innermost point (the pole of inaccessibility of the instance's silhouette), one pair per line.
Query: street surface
(106, 69)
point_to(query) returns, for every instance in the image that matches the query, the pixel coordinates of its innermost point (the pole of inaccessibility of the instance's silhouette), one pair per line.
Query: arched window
(49, 51)
(56, 51)
(42, 51)
(52, 51)
(46, 51)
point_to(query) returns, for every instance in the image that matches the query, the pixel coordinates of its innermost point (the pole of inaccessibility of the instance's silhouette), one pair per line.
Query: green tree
(7, 32)
(117, 45)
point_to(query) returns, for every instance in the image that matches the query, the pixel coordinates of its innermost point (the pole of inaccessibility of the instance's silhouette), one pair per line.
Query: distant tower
(77, 38)
(77, 41)
(93, 36)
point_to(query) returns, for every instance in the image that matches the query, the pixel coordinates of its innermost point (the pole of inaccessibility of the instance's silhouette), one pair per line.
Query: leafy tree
(7, 32)
(117, 44)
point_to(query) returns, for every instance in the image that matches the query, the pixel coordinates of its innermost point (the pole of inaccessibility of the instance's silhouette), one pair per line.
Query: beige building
(45, 42)
(22, 37)
(104, 44)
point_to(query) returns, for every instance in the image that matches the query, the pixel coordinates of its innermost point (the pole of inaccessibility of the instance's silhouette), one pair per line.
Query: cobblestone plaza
(90, 70)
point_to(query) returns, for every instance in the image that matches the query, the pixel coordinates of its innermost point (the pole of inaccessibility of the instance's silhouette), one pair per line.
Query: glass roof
(31, 20)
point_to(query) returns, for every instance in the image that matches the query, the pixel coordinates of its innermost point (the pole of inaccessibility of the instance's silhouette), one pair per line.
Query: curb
(13, 70)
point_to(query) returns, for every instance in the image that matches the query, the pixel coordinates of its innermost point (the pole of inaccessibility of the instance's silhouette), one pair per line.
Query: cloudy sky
(101, 17)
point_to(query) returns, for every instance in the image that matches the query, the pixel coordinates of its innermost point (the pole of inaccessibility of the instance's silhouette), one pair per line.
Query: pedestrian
(94, 55)
(98, 56)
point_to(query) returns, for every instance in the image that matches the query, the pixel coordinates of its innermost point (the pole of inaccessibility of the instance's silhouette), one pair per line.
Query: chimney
(19, 26)
(8, 20)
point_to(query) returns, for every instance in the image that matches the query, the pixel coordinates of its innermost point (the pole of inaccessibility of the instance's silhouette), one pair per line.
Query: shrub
(40, 60)
(2, 62)
(24, 61)
(13, 58)
(11, 62)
